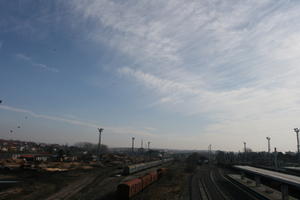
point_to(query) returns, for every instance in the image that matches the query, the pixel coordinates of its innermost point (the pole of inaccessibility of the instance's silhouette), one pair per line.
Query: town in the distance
(95, 171)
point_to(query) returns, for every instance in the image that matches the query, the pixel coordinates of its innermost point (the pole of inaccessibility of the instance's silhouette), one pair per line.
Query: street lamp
(269, 146)
(209, 153)
(132, 144)
(142, 145)
(99, 143)
(149, 146)
(297, 132)
(245, 149)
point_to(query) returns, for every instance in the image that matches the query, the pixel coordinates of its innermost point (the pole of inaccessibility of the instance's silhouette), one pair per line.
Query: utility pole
(245, 151)
(275, 158)
(142, 144)
(132, 143)
(149, 153)
(297, 132)
(269, 146)
(99, 143)
(149, 146)
(209, 153)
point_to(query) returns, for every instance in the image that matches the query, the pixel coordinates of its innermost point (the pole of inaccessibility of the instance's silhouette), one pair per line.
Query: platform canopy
(276, 176)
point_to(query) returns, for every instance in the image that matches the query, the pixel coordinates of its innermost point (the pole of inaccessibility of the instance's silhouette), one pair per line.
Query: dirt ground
(172, 186)
(36, 185)
(96, 184)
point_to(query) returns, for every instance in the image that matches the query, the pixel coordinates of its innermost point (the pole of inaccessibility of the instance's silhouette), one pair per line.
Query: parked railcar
(153, 175)
(146, 180)
(161, 172)
(130, 169)
(130, 188)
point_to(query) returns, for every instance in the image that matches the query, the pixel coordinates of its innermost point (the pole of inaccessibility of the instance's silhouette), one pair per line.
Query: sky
(180, 74)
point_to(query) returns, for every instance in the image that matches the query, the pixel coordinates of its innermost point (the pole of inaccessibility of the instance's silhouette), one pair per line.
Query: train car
(153, 175)
(161, 172)
(130, 169)
(140, 167)
(146, 180)
(167, 160)
(130, 188)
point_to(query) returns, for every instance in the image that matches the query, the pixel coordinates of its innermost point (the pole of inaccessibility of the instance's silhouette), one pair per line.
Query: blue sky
(181, 74)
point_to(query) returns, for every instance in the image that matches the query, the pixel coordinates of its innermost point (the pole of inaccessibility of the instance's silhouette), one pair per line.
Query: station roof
(293, 168)
(277, 176)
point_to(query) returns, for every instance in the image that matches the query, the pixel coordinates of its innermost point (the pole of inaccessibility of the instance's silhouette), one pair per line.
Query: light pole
(149, 146)
(99, 143)
(149, 150)
(275, 158)
(132, 144)
(142, 146)
(297, 132)
(245, 151)
(209, 154)
(269, 146)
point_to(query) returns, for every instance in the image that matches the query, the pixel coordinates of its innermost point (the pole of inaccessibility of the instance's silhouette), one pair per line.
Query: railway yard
(155, 180)
(210, 183)
(95, 184)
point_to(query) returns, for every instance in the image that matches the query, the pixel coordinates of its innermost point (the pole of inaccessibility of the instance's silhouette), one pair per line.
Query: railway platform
(263, 190)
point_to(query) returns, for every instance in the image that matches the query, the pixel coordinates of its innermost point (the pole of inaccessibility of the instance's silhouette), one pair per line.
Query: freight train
(130, 169)
(130, 188)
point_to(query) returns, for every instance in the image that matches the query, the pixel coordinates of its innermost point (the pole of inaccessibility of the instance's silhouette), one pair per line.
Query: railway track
(100, 185)
(209, 183)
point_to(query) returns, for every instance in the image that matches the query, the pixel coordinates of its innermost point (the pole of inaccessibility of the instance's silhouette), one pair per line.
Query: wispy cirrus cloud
(35, 64)
(234, 62)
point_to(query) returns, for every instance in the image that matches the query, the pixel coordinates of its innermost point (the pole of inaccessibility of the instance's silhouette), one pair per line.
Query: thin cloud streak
(35, 64)
(116, 130)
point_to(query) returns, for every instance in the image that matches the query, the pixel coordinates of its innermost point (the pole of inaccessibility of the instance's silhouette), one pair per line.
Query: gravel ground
(52, 185)
(172, 186)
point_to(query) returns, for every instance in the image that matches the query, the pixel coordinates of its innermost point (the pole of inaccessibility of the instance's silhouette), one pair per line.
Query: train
(130, 188)
(130, 169)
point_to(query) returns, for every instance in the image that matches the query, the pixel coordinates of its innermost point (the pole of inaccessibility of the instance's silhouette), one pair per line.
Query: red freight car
(146, 180)
(161, 172)
(130, 188)
(153, 175)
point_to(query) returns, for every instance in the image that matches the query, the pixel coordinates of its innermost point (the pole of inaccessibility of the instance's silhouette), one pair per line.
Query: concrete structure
(262, 191)
(284, 179)
(293, 169)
